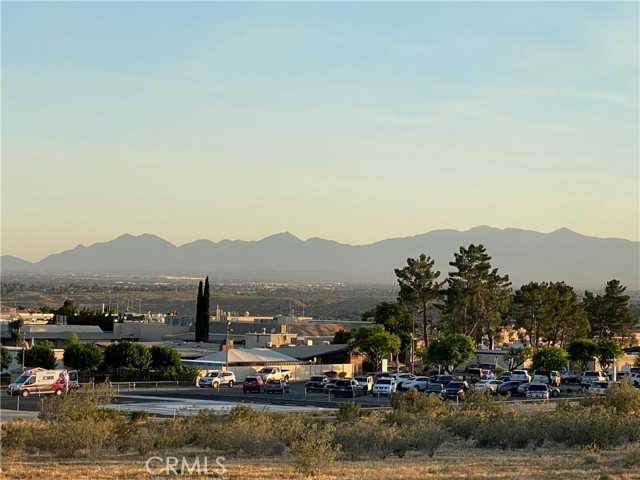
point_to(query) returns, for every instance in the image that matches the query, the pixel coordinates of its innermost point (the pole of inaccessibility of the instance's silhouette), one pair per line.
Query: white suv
(590, 376)
(216, 379)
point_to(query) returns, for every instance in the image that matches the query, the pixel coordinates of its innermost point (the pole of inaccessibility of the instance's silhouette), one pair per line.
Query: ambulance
(38, 381)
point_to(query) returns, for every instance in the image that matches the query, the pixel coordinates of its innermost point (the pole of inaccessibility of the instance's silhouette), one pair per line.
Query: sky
(350, 121)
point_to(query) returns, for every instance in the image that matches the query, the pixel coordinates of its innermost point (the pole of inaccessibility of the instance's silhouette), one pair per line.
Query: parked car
(538, 391)
(277, 386)
(365, 381)
(569, 376)
(316, 383)
(509, 387)
(436, 388)
(347, 387)
(523, 388)
(505, 377)
(253, 384)
(598, 388)
(402, 377)
(455, 389)
(549, 377)
(473, 374)
(217, 379)
(330, 385)
(444, 379)
(384, 386)
(487, 366)
(591, 376)
(488, 375)
(487, 385)
(419, 383)
(522, 375)
(635, 378)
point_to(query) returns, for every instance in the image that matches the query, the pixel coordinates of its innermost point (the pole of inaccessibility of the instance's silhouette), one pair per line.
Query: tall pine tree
(205, 312)
(199, 310)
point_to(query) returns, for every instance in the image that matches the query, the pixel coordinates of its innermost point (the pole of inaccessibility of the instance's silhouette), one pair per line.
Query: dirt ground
(452, 461)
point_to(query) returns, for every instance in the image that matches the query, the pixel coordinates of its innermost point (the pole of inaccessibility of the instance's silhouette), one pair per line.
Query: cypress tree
(205, 311)
(199, 310)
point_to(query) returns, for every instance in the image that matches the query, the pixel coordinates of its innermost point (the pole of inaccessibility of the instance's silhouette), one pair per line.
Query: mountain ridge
(526, 255)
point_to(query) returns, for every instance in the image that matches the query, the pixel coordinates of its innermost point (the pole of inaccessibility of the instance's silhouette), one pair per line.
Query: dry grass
(453, 460)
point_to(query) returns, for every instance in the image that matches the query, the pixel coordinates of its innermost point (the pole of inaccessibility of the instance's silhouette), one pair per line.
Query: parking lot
(137, 394)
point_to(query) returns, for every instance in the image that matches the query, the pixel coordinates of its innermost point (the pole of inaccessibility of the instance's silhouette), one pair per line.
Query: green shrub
(314, 450)
(416, 403)
(348, 412)
(480, 404)
(464, 426)
(427, 437)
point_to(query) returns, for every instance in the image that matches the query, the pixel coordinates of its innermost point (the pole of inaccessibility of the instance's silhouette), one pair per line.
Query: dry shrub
(375, 437)
(464, 426)
(419, 404)
(314, 450)
(480, 404)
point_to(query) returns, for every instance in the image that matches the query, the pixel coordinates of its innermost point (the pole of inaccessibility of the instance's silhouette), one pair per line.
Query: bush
(427, 437)
(416, 403)
(465, 426)
(314, 450)
(481, 404)
(348, 412)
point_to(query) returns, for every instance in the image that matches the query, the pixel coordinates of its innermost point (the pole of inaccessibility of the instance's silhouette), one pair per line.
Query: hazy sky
(349, 121)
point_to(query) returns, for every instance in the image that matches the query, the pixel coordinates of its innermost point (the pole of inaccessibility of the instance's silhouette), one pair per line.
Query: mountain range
(563, 255)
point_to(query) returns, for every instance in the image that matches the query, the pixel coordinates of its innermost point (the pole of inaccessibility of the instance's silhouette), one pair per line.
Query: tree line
(478, 302)
(121, 361)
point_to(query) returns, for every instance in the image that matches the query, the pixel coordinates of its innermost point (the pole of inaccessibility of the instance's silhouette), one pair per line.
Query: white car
(365, 382)
(487, 385)
(538, 391)
(590, 376)
(635, 378)
(403, 377)
(384, 386)
(216, 379)
(419, 383)
(522, 375)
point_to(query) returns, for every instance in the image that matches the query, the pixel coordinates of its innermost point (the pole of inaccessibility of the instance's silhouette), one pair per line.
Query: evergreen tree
(477, 297)
(199, 310)
(205, 311)
(609, 314)
(419, 288)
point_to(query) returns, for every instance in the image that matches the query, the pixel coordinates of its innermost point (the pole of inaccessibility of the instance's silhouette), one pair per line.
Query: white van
(38, 381)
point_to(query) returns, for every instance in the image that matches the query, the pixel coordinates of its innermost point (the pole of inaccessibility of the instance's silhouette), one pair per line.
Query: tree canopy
(609, 314)
(395, 319)
(549, 313)
(477, 298)
(515, 357)
(40, 355)
(5, 358)
(450, 351)
(549, 358)
(609, 350)
(419, 288)
(375, 342)
(86, 357)
(127, 354)
(163, 357)
(582, 351)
